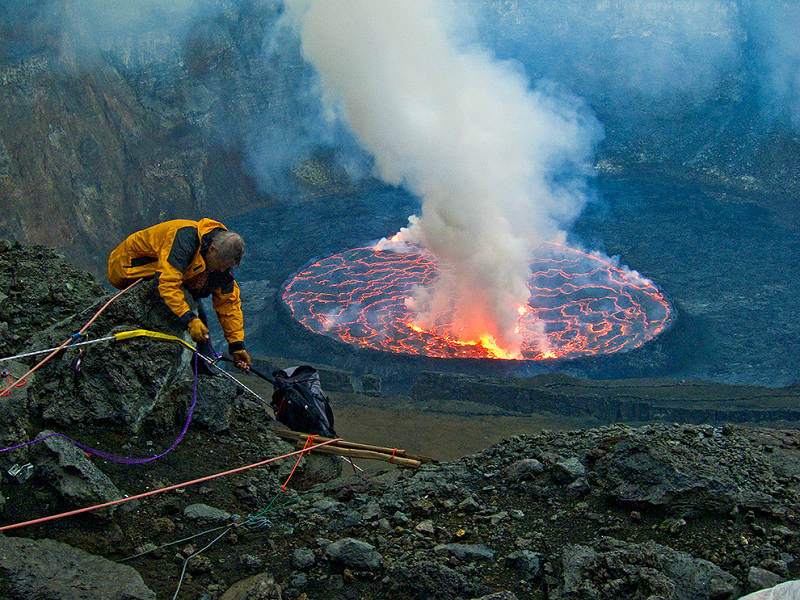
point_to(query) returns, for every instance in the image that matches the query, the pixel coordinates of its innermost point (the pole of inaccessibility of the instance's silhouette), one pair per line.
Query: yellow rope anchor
(126, 335)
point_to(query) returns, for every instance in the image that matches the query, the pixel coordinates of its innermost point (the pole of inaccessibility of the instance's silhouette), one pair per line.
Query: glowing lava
(580, 304)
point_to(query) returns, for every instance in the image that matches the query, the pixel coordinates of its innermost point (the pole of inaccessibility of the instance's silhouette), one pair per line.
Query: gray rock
(14, 417)
(613, 568)
(466, 551)
(317, 468)
(579, 487)
(569, 469)
(427, 579)
(350, 552)
(504, 595)
(758, 578)
(215, 403)
(303, 558)
(128, 383)
(469, 505)
(400, 518)
(372, 512)
(326, 506)
(257, 587)
(251, 562)
(206, 513)
(425, 527)
(49, 570)
(70, 472)
(527, 563)
(527, 468)
(650, 466)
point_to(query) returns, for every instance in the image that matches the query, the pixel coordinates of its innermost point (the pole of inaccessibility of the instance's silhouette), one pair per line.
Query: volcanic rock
(466, 551)
(205, 513)
(649, 466)
(758, 578)
(257, 587)
(527, 468)
(303, 558)
(70, 472)
(349, 552)
(568, 470)
(51, 570)
(421, 579)
(527, 563)
(613, 568)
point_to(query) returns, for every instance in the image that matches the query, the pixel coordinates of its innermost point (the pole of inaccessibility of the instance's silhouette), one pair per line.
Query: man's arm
(228, 306)
(174, 257)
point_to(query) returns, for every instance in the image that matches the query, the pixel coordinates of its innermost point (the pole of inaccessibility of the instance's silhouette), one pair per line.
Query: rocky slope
(99, 138)
(657, 511)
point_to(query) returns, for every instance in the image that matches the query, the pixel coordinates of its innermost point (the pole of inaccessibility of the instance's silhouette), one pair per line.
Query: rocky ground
(655, 511)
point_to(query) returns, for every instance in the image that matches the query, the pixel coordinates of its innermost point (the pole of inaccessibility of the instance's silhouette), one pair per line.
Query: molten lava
(580, 304)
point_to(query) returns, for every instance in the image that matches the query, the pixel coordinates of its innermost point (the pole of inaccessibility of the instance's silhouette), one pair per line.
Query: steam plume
(493, 160)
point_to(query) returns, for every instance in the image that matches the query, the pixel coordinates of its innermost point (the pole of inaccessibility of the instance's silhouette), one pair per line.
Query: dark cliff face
(95, 143)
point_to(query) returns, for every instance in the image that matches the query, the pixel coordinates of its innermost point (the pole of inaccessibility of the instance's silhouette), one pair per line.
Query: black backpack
(300, 403)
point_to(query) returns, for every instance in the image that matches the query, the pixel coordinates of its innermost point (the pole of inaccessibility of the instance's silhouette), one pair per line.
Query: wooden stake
(400, 461)
(296, 435)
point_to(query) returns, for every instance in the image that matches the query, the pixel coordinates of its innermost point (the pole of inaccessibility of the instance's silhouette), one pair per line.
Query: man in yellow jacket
(196, 256)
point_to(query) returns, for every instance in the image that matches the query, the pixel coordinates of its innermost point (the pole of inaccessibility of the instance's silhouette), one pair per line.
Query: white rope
(214, 364)
(103, 339)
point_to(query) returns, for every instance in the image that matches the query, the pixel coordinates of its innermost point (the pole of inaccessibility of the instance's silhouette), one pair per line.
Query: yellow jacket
(172, 253)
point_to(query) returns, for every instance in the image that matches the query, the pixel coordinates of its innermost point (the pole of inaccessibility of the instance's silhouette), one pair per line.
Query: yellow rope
(126, 335)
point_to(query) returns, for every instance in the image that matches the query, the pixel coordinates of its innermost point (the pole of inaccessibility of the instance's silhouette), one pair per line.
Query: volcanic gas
(580, 304)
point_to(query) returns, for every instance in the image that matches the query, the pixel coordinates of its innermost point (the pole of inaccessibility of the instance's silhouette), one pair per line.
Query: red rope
(164, 489)
(21, 381)
(306, 446)
(395, 451)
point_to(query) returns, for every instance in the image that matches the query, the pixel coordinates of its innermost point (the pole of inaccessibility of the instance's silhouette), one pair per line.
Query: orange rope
(21, 381)
(306, 446)
(164, 489)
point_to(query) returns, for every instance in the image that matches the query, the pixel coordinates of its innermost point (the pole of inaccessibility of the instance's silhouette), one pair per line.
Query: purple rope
(123, 459)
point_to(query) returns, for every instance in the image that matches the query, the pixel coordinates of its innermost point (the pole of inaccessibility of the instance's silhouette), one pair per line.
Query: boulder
(428, 579)
(758, 578)
(303, 558)
(613, 568)
(68, 470)
(655, 466)
(206, 514)
(50, 570)
(527, 468)
(357, 554)
(121, 384)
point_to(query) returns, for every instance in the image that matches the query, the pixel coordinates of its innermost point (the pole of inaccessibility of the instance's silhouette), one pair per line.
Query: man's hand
(241, 359)
(198, 331)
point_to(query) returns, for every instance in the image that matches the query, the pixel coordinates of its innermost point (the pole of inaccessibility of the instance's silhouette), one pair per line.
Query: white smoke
(777, 51)
(486, 153)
